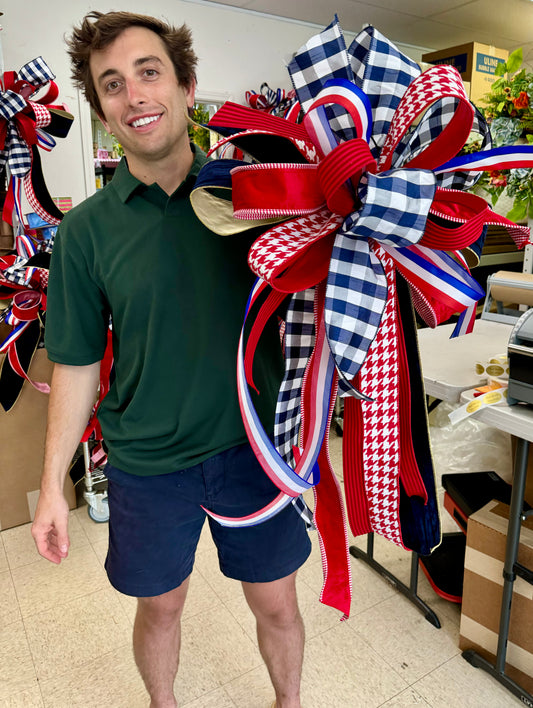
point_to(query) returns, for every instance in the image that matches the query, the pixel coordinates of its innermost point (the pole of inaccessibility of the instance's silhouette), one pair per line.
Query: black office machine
(521, 361)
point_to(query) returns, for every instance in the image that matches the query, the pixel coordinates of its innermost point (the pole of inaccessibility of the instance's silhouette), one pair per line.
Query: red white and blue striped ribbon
(500, 158)
(439, 271)
(341, 93)
(25, 246)
(45, 140)
(291, 482)
(14, 334)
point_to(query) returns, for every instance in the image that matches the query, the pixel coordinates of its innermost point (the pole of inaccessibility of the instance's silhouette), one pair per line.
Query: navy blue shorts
(155, 523)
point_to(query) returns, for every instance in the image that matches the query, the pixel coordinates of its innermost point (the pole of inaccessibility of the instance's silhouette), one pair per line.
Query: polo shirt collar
(125, 184)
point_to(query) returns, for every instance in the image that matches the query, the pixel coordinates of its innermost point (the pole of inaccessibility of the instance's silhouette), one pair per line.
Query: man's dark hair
(98, 30)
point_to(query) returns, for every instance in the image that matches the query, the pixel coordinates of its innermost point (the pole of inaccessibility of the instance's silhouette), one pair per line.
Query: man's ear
(189, 93)
(104, 123)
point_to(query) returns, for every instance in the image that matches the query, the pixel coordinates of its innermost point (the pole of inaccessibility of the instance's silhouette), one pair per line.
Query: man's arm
(72, 396)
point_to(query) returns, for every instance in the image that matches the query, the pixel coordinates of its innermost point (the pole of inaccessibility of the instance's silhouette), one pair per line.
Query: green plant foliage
(199, 135)
(117, 147)
(508, 111)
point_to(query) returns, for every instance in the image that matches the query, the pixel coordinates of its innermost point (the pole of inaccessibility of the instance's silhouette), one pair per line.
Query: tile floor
(65, 636)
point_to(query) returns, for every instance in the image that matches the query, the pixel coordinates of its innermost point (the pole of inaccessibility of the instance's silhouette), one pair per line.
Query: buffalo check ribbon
(368, 189)
(22, 123)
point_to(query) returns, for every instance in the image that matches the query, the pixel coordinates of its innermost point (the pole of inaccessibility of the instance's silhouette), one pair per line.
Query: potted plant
(508, 110)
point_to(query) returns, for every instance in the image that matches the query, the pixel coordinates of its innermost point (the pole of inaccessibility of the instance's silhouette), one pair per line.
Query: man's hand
(49, 528)
(72, 395)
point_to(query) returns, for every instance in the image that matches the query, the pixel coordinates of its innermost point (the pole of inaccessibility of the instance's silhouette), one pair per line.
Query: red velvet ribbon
(26, 305)
(93, 426)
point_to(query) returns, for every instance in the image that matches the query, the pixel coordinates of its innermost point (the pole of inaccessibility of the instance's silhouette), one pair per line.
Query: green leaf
(501, 69)
(514, 62)
(529, 138)
(499, 82)
(518, 212)
(500, 106)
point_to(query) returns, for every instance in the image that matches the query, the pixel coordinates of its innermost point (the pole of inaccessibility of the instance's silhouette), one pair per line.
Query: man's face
(142, 102)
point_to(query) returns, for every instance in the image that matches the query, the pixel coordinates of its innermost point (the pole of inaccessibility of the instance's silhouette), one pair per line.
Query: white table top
(516, 420)
(448, 365)
(448, 370)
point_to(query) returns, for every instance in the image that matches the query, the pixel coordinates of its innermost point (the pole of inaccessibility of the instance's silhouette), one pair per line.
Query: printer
(520, 351)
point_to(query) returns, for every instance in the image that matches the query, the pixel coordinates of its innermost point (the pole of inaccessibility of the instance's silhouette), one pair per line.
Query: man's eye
(112, 85)
(150, 73)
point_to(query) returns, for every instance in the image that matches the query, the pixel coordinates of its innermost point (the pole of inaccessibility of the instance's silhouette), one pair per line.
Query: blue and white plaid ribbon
(395, 203)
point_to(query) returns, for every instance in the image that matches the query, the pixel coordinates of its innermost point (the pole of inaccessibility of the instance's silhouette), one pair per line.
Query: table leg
(409, 592)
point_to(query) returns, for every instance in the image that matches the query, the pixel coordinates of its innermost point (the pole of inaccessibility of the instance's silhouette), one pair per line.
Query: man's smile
(144, 120)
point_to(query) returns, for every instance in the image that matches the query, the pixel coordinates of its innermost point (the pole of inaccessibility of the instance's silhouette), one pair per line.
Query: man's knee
(274, 602)
(163, 609)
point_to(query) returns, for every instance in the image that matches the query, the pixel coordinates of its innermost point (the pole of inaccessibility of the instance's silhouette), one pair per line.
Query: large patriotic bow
(360, 183)
(21, 132)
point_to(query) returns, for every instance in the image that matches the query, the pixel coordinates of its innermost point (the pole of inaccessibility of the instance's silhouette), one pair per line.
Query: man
(176, 293)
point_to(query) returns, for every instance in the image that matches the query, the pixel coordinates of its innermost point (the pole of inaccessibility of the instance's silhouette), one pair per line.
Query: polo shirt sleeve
(77, 315)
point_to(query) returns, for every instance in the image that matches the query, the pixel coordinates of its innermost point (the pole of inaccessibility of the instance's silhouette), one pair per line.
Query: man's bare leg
(280, 633)
(156, 643)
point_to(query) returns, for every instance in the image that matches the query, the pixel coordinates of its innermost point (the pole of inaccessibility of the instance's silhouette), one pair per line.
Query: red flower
(522, 101)
(497, 179)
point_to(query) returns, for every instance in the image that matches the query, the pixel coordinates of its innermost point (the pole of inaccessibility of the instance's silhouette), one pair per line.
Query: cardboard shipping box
(474, 61)
(6, 236)
(482, 592)
(22, 435)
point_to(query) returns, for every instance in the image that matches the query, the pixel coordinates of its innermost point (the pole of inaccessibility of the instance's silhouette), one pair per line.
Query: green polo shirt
(176, 293)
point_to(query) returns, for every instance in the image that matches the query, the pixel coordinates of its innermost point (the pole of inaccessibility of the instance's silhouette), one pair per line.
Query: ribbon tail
(299, 343)
(11, 381)
(267, 512)
(352, 454)
(330, 521)
(465, 323)
(9, 203)
(381, 442)
(420, 522)
(329, 516)
(37, 193)
(268, 308)
(17, 367)
(410, 476)
(106, 366)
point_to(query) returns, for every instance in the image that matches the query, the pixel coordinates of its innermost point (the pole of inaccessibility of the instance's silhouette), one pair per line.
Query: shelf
(488, 259)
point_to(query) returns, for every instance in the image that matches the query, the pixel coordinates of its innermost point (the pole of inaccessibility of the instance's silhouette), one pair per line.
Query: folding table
(447, 367)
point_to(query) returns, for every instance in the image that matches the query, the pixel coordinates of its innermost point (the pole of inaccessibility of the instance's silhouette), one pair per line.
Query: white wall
(237, 51)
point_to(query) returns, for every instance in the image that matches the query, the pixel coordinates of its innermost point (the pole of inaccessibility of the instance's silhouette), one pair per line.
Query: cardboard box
(482, 592)
(22, 435)
(474, 61)
(6, 236)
